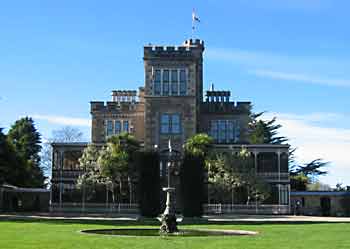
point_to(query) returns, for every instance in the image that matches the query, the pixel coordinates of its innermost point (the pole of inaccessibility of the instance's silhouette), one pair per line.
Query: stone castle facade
(171, 105)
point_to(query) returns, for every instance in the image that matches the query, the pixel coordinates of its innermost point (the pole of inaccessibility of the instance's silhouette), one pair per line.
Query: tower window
(170, 82)
(166, 82)
(183, 82)
(157, 82)
(175, 123)
(170, 124)
(165, 123)
(174, 82)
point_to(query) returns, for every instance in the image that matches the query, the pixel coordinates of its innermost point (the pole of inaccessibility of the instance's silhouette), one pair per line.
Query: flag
(195, 18)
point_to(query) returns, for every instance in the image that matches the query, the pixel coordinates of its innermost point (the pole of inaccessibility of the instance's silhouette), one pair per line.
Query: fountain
(168, 218)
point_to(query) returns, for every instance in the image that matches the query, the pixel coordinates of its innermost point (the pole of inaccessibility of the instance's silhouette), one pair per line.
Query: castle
(171, 105)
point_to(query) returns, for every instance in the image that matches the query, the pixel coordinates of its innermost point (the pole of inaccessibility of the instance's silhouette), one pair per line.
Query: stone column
(256, 153)
(61, 156)
(279, 179)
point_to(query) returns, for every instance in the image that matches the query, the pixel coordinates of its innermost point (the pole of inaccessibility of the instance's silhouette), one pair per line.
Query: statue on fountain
(168, 218)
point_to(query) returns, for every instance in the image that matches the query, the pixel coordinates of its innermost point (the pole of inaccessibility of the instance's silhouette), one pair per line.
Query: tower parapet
(219, 102)
(188, 49)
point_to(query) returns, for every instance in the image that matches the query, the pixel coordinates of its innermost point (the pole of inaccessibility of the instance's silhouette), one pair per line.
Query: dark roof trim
(320, 193)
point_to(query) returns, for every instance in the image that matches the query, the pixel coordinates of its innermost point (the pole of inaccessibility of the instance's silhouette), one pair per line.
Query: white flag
(195, 18)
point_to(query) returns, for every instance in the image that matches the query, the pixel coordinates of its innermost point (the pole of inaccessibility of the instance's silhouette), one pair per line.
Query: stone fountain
(168, 218)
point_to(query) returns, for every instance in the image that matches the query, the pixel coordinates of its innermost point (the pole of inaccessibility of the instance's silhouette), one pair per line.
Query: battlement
(226, 107)
(124, 95)
(194, 42)
(122, 100)
(218, 96)
(112, 106)
(186, 49)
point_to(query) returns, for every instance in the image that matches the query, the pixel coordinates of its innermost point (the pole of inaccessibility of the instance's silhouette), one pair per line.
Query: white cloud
(62, 120)
(313, 141)
(314, 79)
(311, 70)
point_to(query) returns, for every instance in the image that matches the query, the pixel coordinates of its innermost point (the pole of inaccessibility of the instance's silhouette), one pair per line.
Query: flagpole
(192, 35)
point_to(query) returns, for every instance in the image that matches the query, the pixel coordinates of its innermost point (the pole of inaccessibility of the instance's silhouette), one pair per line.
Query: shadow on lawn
(146, 221)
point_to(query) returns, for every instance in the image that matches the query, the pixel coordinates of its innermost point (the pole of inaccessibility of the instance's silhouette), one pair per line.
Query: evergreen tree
(148, 183)
(264, 131)
(308, 173)
(26, 141)
(12, 168)
(192, 174)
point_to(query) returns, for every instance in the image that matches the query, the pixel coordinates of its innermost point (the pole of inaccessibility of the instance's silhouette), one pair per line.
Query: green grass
(65, 235)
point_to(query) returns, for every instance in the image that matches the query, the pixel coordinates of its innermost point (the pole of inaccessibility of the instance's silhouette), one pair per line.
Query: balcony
(66, 174)
(274, 176)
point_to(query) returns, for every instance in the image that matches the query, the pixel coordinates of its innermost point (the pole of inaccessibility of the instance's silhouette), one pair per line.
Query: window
(126, 126)
(109, 127)
(224, 131)
(165, 123)
(170, 82)
(183, 82)
(214, 130)
(170, 124)
(117, 127)
(166, 82)
(157, 82)
(175, 123)
(174, 82)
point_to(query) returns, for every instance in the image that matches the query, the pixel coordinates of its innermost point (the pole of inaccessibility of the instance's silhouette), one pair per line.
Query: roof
(12, 188)
(78, 144)
(320, 193)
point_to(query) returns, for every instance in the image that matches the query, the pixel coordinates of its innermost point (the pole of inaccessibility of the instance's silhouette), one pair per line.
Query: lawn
(65, 235)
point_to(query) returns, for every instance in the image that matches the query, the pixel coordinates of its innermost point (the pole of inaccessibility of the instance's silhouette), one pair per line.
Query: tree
(198, 145)
(130, 146)
(264, 131)
(148, 183)
(232, 171)
(64, 135)
(117, 161)
(192, 174)
(298, 182)
(312, 170)
(114, 165)
(67, 134)
(26, 141)
(12, 168)
(340, 187)
(92, 172)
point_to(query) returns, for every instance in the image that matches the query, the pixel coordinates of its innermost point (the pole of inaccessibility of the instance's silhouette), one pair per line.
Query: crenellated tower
(173, 92)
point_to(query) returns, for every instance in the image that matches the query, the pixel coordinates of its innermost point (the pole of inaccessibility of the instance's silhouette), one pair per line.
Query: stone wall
(188, 56)
(132, 111)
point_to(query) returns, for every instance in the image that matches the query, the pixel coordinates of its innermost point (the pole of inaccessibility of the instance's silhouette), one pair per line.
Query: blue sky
(290, 58)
